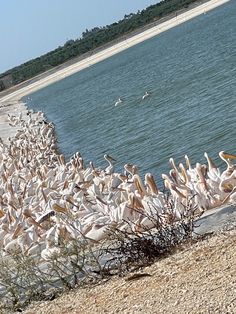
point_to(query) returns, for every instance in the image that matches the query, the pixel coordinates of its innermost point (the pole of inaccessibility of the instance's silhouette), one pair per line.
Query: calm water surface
(190, 71)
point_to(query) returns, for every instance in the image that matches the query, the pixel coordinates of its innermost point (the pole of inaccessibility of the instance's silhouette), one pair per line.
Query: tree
(91, 39)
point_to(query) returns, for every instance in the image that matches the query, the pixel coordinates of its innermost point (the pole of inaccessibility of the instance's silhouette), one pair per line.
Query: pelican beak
(187, 161)
(152, 183)
(228, 187)
(139, 185)
(19, 228)
(183, 172)
(111, 158)
(211, 163)
(2, 213)
(59, 209)
(228, 156)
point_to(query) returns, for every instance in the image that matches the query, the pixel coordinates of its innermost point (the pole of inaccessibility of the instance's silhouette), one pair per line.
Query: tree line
(90, 40)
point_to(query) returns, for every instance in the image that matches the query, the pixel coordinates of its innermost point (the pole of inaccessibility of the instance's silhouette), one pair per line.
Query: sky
(30, 28)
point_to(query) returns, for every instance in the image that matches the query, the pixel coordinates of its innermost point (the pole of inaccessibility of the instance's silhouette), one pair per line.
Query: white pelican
(44, 199)
(213, 172)
(110, 160)
(119, 101)
(151, 184)
(230, 166)
(145, 95)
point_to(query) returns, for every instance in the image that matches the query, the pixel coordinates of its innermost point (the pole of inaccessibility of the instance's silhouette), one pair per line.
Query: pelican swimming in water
(147, 94)
(119, 101)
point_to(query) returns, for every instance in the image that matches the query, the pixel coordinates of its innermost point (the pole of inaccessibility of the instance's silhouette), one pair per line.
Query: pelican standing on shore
(41, 193)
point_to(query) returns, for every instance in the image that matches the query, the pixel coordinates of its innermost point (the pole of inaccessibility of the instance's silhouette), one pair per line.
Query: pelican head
(91, 165)
(81, 163)
(173, 175)
(223, 155)
(211, 164)
(146, 95)
(135, 169)
(167, 181)
(128, 169)
(108, 157)
(139, 185)
(227, 158)
(187, 161)
(119, 101)
(184, 173)
(173, 165)
(150, 182)
(201, 176)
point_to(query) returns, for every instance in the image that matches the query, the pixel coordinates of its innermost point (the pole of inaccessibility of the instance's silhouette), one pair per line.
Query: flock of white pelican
(44, 199)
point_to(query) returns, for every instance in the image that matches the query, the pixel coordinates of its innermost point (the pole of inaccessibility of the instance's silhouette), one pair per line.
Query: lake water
(190, 72)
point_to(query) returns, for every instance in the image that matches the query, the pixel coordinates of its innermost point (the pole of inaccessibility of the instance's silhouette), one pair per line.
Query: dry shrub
(128, 251)
(24, 279)
(132, 247)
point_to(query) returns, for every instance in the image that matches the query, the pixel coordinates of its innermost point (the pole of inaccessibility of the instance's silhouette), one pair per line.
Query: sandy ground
(199, 278)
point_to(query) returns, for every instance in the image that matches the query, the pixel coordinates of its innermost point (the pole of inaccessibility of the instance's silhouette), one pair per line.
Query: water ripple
(190, 71)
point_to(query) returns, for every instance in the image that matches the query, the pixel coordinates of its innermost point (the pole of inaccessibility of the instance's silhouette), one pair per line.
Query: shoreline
(10, 100)
(60, 74)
